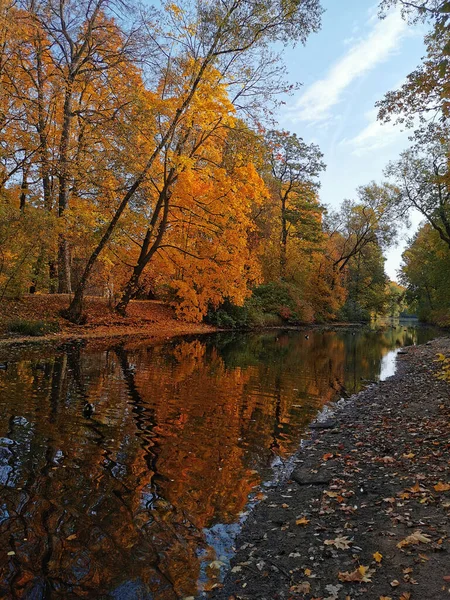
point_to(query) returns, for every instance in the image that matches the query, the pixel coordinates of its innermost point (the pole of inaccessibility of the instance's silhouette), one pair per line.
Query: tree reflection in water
(122, 505)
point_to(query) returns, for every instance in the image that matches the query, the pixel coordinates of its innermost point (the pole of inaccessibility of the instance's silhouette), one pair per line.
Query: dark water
(141, 501)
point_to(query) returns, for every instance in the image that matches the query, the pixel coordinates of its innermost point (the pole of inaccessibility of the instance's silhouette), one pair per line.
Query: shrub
(32, 328)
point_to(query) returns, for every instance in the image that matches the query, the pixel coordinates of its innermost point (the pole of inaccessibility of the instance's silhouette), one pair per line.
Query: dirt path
(365, 513)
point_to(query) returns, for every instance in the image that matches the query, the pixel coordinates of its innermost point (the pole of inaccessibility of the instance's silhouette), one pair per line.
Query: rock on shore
(365, 513)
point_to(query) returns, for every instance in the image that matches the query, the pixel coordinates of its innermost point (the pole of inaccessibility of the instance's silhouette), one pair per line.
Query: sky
(344, 69)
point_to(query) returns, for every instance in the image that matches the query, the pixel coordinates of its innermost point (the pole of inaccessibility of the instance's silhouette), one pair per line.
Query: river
(142, 499)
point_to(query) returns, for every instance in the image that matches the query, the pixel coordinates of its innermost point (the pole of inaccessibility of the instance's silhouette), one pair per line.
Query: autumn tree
(370, 220)
(85, 46)
(425, 272)
(223, 35)
(424, 95)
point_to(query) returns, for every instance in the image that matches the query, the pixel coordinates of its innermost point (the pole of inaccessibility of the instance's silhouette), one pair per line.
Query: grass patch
(32, 328)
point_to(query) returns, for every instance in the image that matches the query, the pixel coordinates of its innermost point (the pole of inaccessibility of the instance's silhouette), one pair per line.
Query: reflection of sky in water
(388, 364)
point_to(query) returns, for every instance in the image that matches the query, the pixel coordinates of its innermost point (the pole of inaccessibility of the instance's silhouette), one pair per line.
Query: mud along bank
(365, 513)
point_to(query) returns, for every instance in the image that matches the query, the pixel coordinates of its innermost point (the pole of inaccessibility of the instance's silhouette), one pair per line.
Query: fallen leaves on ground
(361, 574)
(415, 538)
(378, 557)
(342, 543)
(442, 487)
(301, 588)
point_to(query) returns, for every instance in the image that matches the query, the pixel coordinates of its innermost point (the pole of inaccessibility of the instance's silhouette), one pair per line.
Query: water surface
(141, 501)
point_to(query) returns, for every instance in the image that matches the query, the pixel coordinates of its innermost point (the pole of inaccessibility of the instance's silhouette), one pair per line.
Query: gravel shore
(365, 512)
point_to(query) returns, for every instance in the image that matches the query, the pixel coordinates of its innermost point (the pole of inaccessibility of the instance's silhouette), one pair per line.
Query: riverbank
(147, 318)
(365, 513)
(37, 318)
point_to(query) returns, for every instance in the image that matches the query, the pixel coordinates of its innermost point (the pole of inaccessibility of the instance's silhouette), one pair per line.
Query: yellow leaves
(302, 521)
(174, 9)
(442, 487)
(415, 538)
(377, 556)
(361, 574)
(405, 596)
(444, 374)
(342, 543)
(385, 597)
(71, 537)
(409, 455)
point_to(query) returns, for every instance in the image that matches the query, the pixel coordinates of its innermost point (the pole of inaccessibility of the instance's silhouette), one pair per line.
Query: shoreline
(363, 483)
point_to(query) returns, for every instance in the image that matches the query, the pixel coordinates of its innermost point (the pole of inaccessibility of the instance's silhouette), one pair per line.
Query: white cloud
(383, 39)
(374, 136)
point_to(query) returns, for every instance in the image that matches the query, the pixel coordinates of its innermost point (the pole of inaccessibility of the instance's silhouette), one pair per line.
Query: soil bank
(150, 319)
(365, 512)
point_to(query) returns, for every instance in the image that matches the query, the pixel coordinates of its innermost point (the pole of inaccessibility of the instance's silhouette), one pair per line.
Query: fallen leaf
(327, 456)
(343, 543)
(415, 538)
(416, 488)
(385, 597)
(378, 557)
(395, 583)
(405, 596)
(12, 553)
(302, 521)
(362, 574)
(331, 494)
(301, 588)
(409, 455)
(72, 537)
(285, 505)
(307, 572)
(442, 487)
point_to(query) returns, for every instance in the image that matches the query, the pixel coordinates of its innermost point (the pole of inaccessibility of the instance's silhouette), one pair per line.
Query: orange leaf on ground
(442, 487)
(362, 574)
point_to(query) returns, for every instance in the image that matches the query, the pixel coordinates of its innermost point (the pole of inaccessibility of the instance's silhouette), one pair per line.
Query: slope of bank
(365, 513)
(149, 318)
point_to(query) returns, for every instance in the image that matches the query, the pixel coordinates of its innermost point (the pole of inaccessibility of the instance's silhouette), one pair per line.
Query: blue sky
(345, 68)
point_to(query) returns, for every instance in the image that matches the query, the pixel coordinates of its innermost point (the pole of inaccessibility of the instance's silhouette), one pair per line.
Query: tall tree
(294, 170)
(423, 179)
(371, 220)
(219, 35)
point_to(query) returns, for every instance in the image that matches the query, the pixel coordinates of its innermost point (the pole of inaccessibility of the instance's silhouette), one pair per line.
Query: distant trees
(423, 179)
(422, 172)
(293, 180)
(426, 274)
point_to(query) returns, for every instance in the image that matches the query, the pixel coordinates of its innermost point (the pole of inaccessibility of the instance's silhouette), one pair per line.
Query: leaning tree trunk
(147, 252)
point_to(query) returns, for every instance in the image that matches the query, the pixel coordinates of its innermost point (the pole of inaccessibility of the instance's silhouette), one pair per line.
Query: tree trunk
(64, 275)
(146, 254)
(130, 290)
(44, 160)
(284, 237)
(23, 189)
